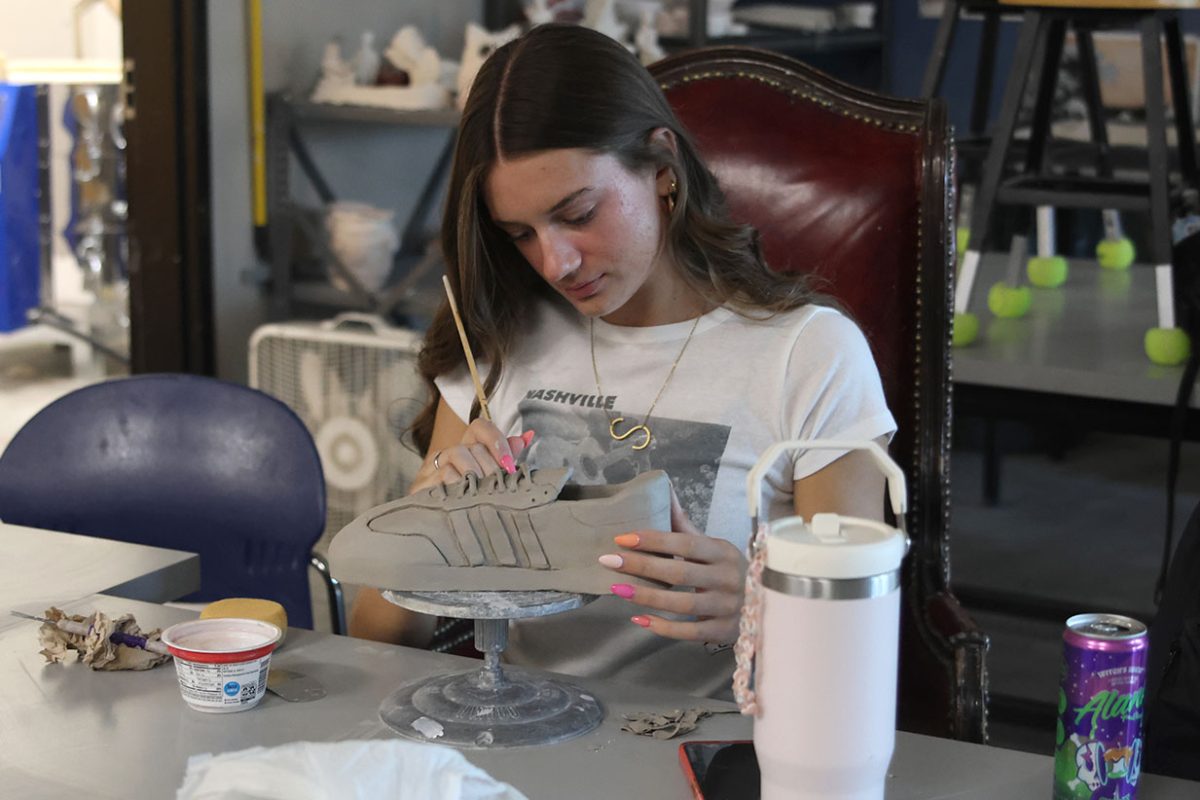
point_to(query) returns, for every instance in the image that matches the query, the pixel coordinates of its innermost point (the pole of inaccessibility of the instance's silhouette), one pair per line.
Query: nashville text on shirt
(572, 399)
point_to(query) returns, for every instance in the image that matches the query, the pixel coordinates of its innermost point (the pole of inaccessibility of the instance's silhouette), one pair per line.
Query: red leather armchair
(856, 189)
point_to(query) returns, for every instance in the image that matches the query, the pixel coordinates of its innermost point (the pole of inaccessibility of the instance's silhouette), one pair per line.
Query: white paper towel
(349, 769)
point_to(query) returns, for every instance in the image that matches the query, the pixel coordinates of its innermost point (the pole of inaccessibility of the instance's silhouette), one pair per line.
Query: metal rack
(290, 223)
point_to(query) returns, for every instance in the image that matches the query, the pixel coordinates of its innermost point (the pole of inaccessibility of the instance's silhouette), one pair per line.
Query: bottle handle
(896, 486)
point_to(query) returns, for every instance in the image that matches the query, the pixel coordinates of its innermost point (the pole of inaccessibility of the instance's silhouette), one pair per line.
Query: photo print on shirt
(574, 436)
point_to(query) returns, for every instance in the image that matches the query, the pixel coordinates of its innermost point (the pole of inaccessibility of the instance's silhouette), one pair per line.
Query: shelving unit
(300, 280)
(301, 263)
(858, 56)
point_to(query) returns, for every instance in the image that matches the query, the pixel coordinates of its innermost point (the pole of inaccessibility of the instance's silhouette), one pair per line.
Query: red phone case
(689, 771)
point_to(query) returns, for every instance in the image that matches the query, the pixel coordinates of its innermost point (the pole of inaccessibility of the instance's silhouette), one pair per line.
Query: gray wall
(385, 167)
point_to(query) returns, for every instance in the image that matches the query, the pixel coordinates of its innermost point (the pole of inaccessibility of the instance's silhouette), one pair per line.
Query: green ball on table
(1009, 302)
(966, 328)
(1047, 272)
(1167, 347)
(1115, 253)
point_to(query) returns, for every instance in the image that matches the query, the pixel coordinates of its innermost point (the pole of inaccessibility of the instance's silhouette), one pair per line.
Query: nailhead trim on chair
(810, 97)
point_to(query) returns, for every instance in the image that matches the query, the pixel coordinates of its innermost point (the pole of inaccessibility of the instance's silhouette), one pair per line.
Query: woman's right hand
(483, 449)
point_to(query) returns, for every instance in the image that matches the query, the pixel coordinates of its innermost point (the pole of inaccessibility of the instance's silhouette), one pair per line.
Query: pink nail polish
(509, 466)
(611, 561)
(528, 437)
(643, 621)
(622, 590)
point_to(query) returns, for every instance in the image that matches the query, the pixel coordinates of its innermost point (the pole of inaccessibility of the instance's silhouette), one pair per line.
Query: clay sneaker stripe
(514, 537)
(530, 540)
(479, 524)
(481, 537)
(464, 538)
(538, 535)
(501, 546)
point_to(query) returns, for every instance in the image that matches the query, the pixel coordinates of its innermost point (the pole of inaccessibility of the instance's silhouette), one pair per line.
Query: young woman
(625, 323)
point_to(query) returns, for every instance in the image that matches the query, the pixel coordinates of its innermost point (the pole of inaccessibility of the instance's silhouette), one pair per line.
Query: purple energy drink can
(1098, 744)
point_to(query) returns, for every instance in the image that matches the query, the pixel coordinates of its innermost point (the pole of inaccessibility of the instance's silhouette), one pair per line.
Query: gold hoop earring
(672, 193)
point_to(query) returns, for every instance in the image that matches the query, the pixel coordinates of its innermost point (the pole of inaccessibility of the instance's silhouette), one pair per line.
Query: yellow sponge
(247, 608)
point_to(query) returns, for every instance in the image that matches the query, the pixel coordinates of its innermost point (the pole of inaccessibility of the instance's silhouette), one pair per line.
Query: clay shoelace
(472, 484)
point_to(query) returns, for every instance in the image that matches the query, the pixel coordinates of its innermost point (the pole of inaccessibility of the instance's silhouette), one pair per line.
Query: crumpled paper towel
(335, 770)
(95, 649)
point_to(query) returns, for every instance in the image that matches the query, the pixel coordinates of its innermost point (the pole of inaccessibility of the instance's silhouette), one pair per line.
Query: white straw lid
(833, 546)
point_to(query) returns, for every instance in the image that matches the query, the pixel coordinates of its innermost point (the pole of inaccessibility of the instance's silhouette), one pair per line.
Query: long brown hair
(566, 86)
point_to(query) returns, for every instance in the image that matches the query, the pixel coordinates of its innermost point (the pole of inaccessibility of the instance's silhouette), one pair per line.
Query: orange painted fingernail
(643, 621)
(527, 437)
(628, 540)
(611, 561)
(622, 590)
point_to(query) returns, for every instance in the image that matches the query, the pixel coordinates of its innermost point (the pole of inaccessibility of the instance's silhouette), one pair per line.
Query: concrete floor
(1084, 532)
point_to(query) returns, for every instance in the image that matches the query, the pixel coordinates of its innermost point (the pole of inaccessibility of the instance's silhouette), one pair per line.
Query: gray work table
(38, 568)
(66, 731)
(1083, 339)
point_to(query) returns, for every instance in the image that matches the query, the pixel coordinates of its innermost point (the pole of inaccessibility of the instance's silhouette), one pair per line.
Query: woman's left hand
(715, 568)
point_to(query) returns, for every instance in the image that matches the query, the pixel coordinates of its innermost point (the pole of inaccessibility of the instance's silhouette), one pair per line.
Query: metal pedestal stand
(492, 706)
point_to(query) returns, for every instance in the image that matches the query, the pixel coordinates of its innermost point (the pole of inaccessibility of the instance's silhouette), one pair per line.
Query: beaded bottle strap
(747, 642)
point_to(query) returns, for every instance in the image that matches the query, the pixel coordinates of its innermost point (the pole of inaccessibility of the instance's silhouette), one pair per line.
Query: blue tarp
(19, 262)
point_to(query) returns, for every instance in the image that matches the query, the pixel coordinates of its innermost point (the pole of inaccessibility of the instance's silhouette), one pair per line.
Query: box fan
(353, 381)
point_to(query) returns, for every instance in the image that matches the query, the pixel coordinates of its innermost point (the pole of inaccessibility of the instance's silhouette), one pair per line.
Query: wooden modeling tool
(116, 637)
(462, 335)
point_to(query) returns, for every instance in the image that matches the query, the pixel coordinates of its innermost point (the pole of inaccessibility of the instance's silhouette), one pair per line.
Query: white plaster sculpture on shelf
(408, 53)
(856, 15)
(538, 13)
(811, 19)
(479, 43)
(366, 60)
(365, 241)
(335, 70)
(601, 16)
(720, 19)
(646, 39)
(674, 19)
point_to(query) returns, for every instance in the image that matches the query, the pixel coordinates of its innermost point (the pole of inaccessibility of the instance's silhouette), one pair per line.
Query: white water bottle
(823, 614)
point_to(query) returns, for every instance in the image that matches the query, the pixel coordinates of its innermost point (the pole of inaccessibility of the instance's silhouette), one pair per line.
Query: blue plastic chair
(184, 462)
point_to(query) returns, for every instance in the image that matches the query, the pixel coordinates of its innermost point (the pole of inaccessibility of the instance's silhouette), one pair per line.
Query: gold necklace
(643, 428)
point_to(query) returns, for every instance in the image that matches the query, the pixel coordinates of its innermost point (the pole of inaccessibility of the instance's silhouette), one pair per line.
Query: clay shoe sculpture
(527, 531)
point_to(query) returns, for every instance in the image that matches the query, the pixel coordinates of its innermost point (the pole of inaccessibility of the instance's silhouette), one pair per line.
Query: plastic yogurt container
(222, 663)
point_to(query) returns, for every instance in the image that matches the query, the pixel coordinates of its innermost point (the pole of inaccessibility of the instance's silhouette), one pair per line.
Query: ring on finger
(436, 456)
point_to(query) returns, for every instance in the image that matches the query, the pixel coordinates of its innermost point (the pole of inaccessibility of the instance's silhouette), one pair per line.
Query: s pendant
(620, 437)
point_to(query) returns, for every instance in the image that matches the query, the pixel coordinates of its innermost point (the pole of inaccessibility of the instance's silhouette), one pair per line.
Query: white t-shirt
(740, 386)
